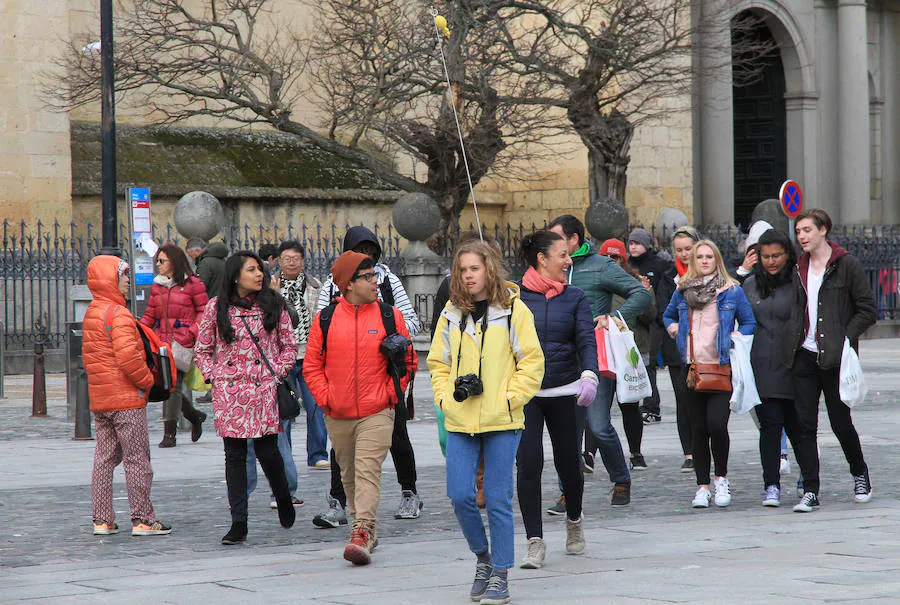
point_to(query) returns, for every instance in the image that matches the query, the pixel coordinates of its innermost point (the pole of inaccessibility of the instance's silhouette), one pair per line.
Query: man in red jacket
(349, 380)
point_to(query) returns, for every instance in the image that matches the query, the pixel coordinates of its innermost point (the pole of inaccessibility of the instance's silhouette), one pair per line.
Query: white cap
(756, 230)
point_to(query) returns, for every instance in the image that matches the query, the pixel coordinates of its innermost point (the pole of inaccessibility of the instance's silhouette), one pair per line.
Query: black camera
(394, 348)
(467, 386)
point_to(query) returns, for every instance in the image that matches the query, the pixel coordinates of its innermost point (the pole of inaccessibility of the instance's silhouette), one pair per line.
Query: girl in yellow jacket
(486, 363)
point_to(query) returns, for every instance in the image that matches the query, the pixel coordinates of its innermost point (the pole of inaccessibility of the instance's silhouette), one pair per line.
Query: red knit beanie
(345, 267)
(614, 246)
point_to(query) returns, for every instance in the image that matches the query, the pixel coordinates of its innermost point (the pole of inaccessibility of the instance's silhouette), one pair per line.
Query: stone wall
(35, 176)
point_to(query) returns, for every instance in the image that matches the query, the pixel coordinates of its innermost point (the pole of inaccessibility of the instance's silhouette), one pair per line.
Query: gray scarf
(700, 291)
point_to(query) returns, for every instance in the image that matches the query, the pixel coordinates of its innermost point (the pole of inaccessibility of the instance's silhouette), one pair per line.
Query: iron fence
(40, 264)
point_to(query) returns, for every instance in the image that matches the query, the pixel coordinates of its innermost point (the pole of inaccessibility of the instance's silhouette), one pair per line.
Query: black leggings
(402, 454)
(634, 426)
(775, 415)
(266, 448)
(559, 414)
(682, 416)
(709, 420)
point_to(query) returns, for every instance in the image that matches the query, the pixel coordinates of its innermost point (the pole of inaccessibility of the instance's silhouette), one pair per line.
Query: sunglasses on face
(162, 261)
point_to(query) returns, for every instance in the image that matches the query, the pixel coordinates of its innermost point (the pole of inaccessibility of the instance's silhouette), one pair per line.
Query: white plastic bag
(853, 381)
(744, 395)
(632, 380)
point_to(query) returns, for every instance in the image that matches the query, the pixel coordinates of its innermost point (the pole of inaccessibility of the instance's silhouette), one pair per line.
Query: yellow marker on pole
(441, 24)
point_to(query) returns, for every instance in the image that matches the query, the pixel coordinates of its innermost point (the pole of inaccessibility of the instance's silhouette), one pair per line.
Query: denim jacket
(732, 305)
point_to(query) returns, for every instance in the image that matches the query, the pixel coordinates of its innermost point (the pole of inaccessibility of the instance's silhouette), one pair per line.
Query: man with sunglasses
(348, 377)
(390, 290)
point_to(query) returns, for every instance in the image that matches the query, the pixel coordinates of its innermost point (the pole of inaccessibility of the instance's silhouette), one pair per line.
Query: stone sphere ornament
(416, 216)
(771, 212)
(199, 214)
(606, 219)
(667, 222)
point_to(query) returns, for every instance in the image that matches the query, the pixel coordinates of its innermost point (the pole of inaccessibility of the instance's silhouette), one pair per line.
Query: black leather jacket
(846, 308)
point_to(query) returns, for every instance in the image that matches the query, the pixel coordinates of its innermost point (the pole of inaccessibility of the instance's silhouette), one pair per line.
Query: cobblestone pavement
(45, 485)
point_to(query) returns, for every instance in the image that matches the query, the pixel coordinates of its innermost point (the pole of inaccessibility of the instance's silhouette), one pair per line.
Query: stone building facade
(826, 113)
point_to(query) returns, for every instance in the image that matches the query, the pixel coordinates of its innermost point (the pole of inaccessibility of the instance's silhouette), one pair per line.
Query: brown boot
(479, 485)
(168, 439)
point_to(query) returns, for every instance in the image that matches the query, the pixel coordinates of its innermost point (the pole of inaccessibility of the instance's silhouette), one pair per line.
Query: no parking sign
(791, 197)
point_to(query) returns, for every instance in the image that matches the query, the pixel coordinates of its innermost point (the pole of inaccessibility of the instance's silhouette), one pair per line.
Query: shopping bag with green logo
(632, 380)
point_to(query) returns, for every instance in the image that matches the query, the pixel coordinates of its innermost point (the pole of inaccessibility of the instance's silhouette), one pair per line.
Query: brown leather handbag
(706, 377)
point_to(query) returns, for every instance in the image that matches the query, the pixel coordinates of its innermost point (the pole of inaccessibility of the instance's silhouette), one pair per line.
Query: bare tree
(375, 69)
(384, 85)
(613, 65)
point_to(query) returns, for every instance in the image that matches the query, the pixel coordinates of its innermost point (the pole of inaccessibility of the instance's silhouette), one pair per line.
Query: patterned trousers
(122, 437)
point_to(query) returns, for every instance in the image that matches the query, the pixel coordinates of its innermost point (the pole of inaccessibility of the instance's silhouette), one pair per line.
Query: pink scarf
(536, 282)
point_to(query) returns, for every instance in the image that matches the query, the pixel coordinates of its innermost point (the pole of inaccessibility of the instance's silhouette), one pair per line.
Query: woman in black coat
(770, 292)
(565, 327)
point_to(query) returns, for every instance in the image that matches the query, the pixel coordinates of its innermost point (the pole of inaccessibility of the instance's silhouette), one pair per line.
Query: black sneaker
(638, 463)
(559, 508)
(651, 417)
(808, 503)
(687, 466)
(862, 488)
(621, 494)
(587, 462)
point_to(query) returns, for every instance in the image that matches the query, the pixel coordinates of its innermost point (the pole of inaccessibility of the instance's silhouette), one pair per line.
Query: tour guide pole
(110, 244)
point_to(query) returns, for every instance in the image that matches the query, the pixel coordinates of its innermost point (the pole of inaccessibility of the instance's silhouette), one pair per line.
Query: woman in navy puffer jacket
(565, 327)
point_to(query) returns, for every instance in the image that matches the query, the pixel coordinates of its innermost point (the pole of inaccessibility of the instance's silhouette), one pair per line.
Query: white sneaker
(785, 468)
(702, 498)
(723, 492)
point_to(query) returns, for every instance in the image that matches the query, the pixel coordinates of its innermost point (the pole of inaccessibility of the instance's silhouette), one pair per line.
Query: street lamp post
(108, 132)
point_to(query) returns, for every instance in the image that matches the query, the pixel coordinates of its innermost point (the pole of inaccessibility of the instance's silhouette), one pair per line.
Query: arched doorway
(760, 118)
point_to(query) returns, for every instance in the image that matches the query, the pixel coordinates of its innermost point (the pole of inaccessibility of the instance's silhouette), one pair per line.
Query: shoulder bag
(705, 377)
(288, 400)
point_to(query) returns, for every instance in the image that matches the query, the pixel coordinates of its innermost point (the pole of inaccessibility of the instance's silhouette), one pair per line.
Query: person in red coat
(349, 380)
(177, 299)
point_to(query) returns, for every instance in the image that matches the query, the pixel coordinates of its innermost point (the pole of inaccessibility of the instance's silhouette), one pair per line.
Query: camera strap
(463, 322)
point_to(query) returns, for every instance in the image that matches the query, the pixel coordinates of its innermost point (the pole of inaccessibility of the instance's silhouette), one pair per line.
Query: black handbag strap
(255, 340)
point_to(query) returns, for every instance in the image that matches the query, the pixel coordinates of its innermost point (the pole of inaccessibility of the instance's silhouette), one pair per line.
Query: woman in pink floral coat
(243, 387)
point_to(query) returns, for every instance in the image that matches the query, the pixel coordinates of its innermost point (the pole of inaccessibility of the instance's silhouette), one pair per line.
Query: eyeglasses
(291, 260)
(365, 276)
(162, 261)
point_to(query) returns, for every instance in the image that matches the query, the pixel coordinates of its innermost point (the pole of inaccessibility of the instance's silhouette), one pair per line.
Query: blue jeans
(600, 424)
(464, 454)
(287, 455)
(316, 433)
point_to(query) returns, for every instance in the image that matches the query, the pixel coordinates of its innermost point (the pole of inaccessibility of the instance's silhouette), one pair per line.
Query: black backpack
(405, 405)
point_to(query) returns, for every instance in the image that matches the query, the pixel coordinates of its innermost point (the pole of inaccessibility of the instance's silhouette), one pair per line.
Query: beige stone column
(715, 179)
(853, 113)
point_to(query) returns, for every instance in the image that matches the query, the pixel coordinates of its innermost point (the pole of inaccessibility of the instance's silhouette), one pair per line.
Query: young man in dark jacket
(661, 274)
(832, 301)
(600, 278)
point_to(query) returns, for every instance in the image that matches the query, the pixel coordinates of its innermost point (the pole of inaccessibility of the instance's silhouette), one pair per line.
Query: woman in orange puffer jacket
(118, 383)
(177, 300)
